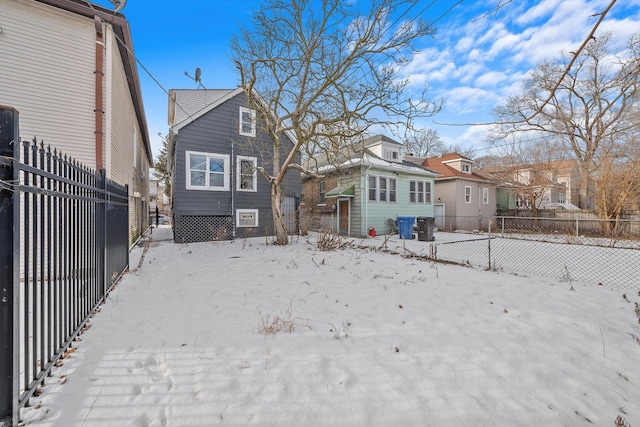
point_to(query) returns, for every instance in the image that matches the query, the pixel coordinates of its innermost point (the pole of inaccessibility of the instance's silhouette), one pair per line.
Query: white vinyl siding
(55, 96)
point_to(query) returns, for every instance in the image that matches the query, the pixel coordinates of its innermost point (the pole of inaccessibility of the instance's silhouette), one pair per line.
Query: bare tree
(594, 102)
(424, 143)
(617, 181)
(327, 72)
(529, 170)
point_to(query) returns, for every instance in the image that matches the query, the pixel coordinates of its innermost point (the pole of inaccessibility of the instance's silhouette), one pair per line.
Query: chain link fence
(591, 251)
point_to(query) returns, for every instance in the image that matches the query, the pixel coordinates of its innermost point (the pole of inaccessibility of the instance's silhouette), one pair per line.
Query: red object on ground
(372, 232)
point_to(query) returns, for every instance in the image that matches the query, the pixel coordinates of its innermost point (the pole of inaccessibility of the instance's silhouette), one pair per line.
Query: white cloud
(540, 10)
(491, 79)
(477, 59)
(464, 44)
(466, 99)
(467, 73)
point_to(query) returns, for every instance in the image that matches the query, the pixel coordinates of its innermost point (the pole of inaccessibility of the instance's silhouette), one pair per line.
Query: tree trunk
(583, 193)
(278, 219)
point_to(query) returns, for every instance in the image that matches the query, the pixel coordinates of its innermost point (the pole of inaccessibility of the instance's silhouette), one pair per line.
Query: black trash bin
(425, 228)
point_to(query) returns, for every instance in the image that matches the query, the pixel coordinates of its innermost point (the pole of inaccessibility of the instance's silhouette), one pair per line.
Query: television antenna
(196, 78)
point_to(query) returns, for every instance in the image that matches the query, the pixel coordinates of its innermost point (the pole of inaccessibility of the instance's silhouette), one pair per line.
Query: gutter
(99, 78)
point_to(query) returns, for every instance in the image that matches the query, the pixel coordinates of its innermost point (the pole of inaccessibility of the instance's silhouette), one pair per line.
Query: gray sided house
(215, 148)
(367, 189)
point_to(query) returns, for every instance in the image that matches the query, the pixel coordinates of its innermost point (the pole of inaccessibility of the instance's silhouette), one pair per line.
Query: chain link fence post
(489, 244)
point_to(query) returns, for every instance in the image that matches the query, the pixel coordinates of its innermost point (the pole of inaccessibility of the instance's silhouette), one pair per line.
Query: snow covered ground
(377, 340)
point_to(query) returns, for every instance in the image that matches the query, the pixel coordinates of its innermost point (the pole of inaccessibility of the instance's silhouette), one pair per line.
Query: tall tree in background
(617, 181)
(327, 72)
(529, 170)
(424, 143)
(595, 101)
(160, 168)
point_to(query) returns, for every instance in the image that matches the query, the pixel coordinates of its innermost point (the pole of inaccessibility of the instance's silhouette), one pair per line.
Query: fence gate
(58, 261)
(290, 213)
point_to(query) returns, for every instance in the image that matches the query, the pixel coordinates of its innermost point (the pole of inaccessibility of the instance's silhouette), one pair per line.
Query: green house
(367, 191)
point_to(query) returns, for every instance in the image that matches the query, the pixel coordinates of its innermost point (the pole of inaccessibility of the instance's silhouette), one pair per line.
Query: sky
(481, 53)
(349, 337)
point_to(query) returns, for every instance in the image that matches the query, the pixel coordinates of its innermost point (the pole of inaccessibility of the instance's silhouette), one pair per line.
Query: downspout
(99, 77)
(365, 198)
(233, 187)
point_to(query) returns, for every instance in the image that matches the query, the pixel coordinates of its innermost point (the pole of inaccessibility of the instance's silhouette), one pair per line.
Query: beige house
(464, 199)
(69, 70)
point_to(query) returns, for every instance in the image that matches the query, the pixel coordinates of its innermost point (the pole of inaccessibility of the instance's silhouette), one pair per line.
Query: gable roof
(450, 157)
(376, 139)
(439, 164)
(120, 27)
(365, 157)
(187, 105)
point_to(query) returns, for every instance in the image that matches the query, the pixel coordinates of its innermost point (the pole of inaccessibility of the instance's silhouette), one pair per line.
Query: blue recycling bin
(405, 226)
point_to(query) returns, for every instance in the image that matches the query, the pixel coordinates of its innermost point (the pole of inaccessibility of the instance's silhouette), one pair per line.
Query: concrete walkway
(153, 236)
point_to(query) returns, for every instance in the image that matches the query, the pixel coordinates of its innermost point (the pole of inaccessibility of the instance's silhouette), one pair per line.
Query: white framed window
(562, 198)
(392, 189)
(247, 122)
(373, 188)
(383, 192)
(322, 192)
(467, 194)
(419, 192)
(466, 168)
(207, 171)
(485, 196)
(246, 217)
(382, 188)
(246, 173)
(390, 154)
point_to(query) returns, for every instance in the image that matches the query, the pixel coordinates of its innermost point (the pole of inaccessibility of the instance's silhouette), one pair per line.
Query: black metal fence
(68, 246)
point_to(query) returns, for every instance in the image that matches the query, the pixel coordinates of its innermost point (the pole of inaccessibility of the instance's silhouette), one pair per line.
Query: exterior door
(343, 216)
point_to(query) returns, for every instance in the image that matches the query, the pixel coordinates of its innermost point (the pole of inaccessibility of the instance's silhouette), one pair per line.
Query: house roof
(439, 165)
(450, 157)
(341, 192)
(120, 27)
(374, 140)
(368, 159)
(186, 105)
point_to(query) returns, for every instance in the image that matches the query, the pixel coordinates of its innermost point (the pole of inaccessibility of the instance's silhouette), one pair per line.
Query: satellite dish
(118, 5)
(196, 78)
